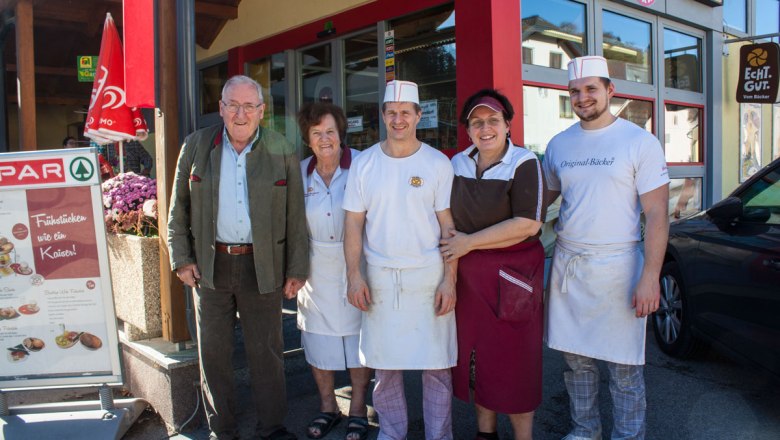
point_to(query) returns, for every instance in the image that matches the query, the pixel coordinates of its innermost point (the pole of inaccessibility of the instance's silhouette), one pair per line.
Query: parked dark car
(720, 283)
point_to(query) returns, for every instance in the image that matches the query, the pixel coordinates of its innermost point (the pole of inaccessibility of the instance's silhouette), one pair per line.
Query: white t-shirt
(400, 197)
(601, 174)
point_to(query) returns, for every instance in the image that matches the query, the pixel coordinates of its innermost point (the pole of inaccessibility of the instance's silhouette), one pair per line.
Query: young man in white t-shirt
(398, 195)
(602, 286)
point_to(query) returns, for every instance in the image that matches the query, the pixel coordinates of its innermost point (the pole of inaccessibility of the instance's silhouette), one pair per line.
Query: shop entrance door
(344, 72)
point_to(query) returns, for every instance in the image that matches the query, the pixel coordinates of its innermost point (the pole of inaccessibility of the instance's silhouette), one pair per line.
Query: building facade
(671, 60)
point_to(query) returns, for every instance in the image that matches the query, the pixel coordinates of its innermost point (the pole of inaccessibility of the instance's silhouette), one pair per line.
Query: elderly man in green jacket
(237, 235)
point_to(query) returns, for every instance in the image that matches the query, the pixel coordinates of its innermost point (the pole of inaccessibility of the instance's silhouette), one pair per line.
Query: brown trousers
(261, 322)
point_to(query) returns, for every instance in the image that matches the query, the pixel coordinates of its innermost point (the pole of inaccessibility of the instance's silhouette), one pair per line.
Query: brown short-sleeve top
(512, 187)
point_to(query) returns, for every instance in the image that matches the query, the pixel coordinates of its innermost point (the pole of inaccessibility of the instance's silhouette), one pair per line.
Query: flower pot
(135, 279)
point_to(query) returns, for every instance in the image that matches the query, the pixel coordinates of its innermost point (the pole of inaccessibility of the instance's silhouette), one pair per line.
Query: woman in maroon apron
(498, 205)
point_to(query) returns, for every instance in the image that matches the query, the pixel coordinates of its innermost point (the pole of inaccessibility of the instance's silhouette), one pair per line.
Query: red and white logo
(31, 172)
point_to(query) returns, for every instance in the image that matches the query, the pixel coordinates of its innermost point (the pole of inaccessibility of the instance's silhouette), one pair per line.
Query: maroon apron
(505, 282)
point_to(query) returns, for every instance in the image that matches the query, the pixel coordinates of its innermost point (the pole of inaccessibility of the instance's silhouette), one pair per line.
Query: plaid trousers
(627, 386)
(390, 404)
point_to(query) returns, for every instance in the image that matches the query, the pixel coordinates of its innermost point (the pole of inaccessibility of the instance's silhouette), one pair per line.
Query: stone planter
(135, 279)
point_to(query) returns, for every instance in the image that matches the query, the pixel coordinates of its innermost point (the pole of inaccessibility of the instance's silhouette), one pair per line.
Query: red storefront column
(488, 50)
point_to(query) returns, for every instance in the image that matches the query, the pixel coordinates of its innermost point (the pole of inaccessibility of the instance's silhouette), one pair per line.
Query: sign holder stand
(56, 201)
(96, 419)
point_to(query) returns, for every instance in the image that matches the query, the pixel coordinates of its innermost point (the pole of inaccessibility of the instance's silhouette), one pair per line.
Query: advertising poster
(749, 140)
(57, 320)
(775, 131)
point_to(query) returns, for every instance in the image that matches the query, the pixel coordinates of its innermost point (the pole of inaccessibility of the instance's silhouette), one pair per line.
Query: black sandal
(324, 422)
(361, 428)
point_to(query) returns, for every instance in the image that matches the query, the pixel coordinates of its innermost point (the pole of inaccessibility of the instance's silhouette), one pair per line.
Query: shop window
(361, 97)
(212, 78)
(425, 54)
(684, 197)
(683, 133)
(540, 105)
(750, 140)
(633, 110)
(528, 55)
(271, 73)
(682, 61)
(565, 107)
(735, 15)
(317, 74)
(553, 26)
(767, 17)
(556, 60)
(626, 44)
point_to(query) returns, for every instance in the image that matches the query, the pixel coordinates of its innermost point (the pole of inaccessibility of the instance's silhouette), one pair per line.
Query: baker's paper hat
(401, 91)
(591, 65)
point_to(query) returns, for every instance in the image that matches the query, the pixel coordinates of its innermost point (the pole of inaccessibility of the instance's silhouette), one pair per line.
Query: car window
(763, 196)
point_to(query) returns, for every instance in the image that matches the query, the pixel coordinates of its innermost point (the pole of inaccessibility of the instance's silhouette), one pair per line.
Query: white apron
(322, 303)
(589, 302)
(401, 331)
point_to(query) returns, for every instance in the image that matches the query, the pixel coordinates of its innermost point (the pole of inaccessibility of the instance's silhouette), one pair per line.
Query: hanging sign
(57, 320)
(759, 71)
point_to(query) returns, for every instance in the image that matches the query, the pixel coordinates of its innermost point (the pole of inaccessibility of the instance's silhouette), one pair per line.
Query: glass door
(316, 74)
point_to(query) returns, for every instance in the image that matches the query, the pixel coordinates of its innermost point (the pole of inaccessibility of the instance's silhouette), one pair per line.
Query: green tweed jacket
(276, 208)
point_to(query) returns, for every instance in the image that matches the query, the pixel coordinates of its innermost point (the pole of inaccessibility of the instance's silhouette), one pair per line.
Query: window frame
(207, 119)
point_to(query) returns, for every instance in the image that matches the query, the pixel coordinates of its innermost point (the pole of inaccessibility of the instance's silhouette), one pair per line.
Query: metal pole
(185, 22)
(121, 157)
(753, 38)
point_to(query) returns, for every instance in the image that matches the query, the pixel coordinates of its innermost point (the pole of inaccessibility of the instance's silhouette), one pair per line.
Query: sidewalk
(303, 400)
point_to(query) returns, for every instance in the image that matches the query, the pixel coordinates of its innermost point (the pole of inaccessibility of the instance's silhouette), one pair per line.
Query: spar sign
(759, 71)
(52, 170)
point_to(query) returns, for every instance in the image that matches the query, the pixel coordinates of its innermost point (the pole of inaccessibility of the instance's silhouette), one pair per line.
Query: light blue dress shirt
(233, 224)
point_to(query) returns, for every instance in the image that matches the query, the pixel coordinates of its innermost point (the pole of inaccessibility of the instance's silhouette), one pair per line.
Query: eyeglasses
(478, 124)
(248, 108)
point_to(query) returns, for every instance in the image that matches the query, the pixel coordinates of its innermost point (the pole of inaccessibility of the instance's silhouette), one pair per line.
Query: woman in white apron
(329, 325)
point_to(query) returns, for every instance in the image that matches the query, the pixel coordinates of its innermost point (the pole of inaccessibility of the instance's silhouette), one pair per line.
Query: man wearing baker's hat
(397, 204)
(604, 280)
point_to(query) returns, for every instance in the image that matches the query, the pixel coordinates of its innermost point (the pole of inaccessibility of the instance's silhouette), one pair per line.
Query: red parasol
(109, 119)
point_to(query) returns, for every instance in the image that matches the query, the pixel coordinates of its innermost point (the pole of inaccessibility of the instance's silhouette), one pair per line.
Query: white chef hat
(401, 91)
(591, 65)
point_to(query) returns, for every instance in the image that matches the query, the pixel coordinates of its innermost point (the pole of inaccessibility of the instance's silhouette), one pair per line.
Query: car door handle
(773, 263)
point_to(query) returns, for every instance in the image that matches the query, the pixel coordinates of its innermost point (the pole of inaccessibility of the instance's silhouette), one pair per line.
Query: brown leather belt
(233, 249)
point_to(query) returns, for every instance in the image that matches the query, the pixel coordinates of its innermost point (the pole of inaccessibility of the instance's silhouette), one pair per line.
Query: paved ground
(710, 398)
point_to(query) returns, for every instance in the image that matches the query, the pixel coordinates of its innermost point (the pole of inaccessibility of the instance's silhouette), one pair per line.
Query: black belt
(233, 249)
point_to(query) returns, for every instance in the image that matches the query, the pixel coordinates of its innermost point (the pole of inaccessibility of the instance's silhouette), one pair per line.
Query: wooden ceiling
(65, 29)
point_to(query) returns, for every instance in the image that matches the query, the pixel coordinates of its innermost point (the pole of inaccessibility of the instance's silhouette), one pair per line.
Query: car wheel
(671, 323)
